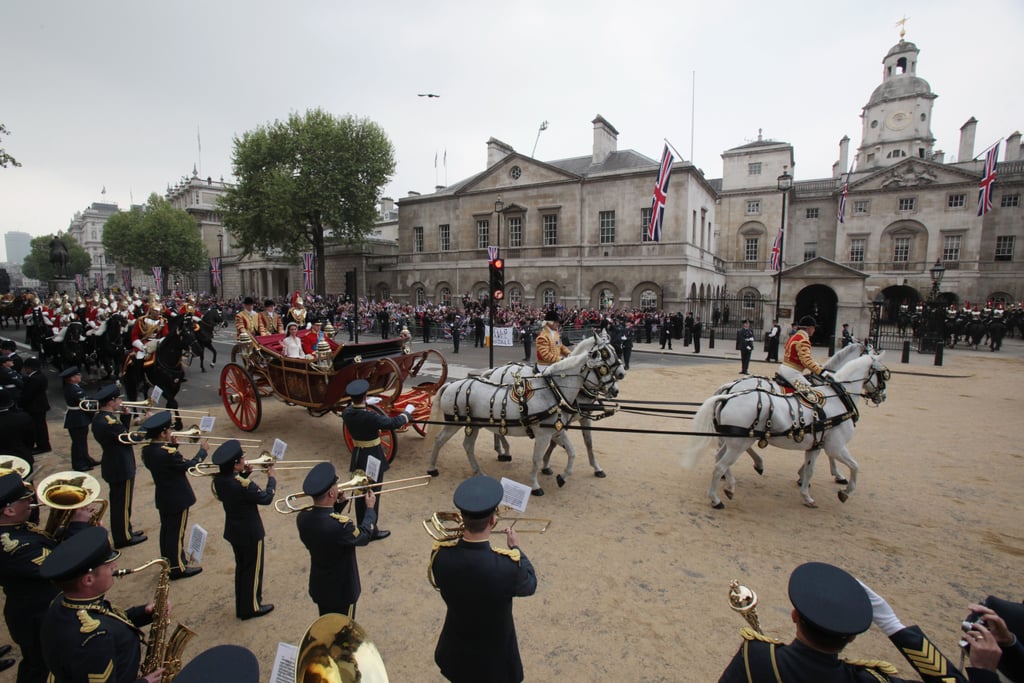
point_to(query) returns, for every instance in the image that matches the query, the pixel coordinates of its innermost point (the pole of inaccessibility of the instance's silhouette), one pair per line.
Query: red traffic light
(498, 263)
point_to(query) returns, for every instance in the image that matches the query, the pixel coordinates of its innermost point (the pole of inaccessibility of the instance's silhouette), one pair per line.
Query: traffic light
(350, 285)
(497, 279)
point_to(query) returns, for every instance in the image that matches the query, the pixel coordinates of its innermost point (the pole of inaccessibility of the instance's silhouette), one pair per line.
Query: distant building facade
(17, 246)
(87, 229)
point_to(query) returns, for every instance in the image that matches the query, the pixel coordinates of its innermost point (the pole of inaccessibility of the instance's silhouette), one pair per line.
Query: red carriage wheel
(388, 438)
(240, 397)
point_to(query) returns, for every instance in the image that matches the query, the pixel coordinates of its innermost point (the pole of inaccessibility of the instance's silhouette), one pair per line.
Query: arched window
(548, 296)
(383, 294)
(749, 300)
(481, 293)
(421, 296)
(648, 300)
(446, 296)
(607, 299)
(515, 296)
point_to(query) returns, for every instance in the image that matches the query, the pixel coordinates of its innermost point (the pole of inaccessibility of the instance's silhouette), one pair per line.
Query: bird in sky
(427, 94)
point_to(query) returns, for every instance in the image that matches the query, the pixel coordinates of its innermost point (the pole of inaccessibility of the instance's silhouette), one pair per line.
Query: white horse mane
(854, 370)
(843, 355)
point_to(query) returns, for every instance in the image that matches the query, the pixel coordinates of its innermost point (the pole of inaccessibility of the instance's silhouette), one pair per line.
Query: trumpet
(65, 492)
(12, 463)
(449, 526)
(192, 434)
(358, 485)
(263, 462)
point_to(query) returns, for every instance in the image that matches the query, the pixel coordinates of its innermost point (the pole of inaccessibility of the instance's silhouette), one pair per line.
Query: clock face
(898, 120)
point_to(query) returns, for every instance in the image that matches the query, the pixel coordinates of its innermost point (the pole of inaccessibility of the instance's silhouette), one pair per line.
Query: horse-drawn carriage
(259, 369)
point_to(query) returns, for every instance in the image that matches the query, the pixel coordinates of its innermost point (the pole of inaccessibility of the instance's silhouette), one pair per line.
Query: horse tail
(703, 422)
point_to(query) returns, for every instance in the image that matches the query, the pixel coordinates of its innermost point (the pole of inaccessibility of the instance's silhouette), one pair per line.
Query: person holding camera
(1005, 620)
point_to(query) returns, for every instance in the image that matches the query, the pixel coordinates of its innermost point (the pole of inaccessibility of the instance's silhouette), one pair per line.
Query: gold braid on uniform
(750, 634)
(876, 664)
(433, 553)
(509, 552)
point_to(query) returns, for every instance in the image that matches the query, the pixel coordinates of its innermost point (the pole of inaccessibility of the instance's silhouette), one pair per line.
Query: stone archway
(821, 302)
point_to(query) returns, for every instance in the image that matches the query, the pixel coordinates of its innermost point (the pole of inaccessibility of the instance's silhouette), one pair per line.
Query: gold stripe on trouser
(126, 513)
(256, 576)
(181, 541)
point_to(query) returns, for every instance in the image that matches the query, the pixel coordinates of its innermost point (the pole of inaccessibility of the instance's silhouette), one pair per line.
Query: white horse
(539, 406)
(588, 404)
(761, 414)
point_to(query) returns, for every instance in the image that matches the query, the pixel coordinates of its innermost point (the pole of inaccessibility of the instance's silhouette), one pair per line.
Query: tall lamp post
(499, 206)
(933, 340)
(785, 183)
(220, 249)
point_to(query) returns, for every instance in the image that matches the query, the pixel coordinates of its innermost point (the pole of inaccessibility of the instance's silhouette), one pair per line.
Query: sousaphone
(336, 649)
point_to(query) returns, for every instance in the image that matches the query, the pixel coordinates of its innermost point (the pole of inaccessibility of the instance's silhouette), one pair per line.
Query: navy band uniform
(117, 466)
(76, 420)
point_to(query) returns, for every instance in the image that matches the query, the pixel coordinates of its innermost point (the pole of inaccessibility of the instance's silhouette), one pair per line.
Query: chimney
(605, 139)
(496, 151)
(967, 140)
(387, 205)
(939, 157)
(844, 155)
(1013, 146)
(413, 193)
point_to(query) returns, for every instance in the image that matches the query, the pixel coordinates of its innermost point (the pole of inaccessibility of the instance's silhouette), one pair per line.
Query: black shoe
(189, 571)
(40, 451)
(265, 609)
(84, 469)
(4, 650)
(135, 540)
(380, 535)
(6, 664)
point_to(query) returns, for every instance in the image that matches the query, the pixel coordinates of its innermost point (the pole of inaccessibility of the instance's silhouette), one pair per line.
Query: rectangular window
(417, 238)
(645, 224)
(606, 222)
(861, 207)
(515, 231)
(754, 168)
(901, 249)
(550, 229)
(812, 214)
(753, 207)
(951, 248)
(907, 203)
(857, 250)
(444, 237)
(483, 233)
(1004, 248)
(810, 250)
(956, 201)
(1008, 201)
(750, 251)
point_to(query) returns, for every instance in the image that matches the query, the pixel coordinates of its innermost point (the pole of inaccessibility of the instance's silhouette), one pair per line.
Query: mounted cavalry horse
(539, 406)
(163, 369)
(764, 415)
(204, 332)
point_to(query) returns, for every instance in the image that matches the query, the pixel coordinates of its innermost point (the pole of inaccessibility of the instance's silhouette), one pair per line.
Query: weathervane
(902, 23)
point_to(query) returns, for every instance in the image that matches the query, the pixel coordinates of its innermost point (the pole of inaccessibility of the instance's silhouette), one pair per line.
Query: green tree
(6, 158)
(156, 234)
(304, 180)
(37, 264)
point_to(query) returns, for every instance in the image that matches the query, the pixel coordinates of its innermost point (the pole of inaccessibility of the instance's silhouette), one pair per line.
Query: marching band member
(246, 320)
(243, 528)
(174, 495)
(477, 582)
(550, 348)
(797, 355)
(331, 539)
(117, 466)
(270, 321)
(76, 420)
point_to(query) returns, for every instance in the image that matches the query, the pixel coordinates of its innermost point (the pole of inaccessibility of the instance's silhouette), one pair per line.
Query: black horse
(12, 309)
(163, 370)
(109, 345)
(204, 332)
(71, 350)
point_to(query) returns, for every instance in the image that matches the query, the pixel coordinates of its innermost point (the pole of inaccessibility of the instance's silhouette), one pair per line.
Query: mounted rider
(147, 332)
(188, 312)
(247, 320)
(550, 348)
(37, 320)
(797, 356)
(297, 313)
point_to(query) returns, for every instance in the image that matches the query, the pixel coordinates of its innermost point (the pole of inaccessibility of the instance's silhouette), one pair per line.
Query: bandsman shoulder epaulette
(169, 449)
(445, 544)
(508, 552)
(9, 544)
(750, 634)
(342, 519)
(242, 480)
(877, 664)
(89, 624)
(111, 420)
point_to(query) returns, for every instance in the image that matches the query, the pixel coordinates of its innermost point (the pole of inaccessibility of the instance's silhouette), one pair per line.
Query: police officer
(84, 637)
(117, 465)
(477, 582)
(36, 402)
(331, 539)
(243, 527)
(76, 420)
(173, 492)
(27, 594)
(745, 345)
(364, 426)
(847, 336)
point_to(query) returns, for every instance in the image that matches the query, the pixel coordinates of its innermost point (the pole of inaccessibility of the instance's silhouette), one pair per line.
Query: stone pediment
(821, 269)
(516, 171)
(912, 174)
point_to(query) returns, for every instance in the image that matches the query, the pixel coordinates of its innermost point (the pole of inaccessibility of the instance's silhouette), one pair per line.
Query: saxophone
(161, 651)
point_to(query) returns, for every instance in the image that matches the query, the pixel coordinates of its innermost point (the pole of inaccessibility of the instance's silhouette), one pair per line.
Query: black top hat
(830, 599)
(552, 316)
(81, 553)
(357, 387)
(321, 478)
(478, 497)
(808, 321)
(106, 393)
(268, 302)
(70, 372)
(157, 423)
(232, 663)
(12, 488)
(229, 451)
(248, 301)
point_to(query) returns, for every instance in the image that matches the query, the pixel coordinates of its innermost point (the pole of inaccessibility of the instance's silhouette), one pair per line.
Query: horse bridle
(875, 391)
(598, 364)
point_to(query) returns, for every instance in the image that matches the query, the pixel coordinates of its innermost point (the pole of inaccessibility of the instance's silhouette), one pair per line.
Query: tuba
(65, 492)
(161, 651)
(336, 649)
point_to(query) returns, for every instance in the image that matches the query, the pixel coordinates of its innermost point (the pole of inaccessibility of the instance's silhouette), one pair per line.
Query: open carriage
(258, 370)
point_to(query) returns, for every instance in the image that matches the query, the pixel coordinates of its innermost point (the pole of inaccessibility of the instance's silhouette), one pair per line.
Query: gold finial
(902, 23)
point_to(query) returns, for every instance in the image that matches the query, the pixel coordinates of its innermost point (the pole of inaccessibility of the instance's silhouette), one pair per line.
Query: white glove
(881, 613)
(409, 408)
(373, 400)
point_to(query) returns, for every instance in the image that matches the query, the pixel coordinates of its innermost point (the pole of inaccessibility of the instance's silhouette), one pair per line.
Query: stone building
(199, 198)
(87, 229)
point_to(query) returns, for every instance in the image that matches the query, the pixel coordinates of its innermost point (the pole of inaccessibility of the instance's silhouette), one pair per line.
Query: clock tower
(897, 119)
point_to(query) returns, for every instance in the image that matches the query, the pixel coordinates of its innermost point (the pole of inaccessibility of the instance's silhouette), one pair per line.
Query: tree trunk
(319, 275)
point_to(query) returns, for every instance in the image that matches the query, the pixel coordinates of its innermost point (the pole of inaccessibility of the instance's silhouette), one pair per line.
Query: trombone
(192, 433)
(358, 485)
(262, 463)
(448, 526)
(65, 492)
(139, 408)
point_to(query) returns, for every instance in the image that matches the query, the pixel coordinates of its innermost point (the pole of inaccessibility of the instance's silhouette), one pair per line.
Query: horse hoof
(600, 474)
(561, 480)
(843, 496)
(504, 458)
(718, 506)
(433, 473)
(810, 504)
(537, 492)
(759, 469)
(841, 481)
(728, 494)
(546, 470)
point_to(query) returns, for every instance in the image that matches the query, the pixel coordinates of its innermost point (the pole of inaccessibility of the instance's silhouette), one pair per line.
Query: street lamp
(499, 206)
(785, 183)
(936, 271)
(875, 328)
(933, 339)
(220, 249)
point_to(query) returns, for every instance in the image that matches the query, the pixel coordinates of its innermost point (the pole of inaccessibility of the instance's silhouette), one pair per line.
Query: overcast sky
(120, 93)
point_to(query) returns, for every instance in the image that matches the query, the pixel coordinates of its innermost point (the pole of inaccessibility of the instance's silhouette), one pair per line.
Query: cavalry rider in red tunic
(797, 356)
(147, 330)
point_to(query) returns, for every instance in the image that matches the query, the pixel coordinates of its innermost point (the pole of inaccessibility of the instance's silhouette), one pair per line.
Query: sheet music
(279, 448)
(156, 395)
(197, 543)
(206, 423)
(373, 468)
(284, 663)
(515, 495)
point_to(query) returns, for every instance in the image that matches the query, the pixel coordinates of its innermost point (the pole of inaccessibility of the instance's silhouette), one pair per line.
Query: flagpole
(674, 150)
(693, 111)
(985, 151)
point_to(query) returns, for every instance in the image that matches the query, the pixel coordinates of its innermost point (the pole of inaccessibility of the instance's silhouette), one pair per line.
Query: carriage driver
(270, 321)
(247, 320)
(797, 355)
(550, 348)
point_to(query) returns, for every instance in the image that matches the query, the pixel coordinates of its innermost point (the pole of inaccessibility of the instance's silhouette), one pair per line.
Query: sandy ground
(634, 571)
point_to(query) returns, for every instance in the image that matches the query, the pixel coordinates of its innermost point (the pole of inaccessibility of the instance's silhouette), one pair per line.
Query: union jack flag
(660, 196)
(988, 179)
(99, 282)
(158, 279)
(842, 200)
(215, 271)
(776, 256)
(126, 279)
(307, 270)
(492, 254)
(79, 283)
